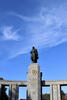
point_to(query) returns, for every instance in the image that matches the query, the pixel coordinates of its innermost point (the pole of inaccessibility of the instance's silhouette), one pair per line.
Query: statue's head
(33, 47)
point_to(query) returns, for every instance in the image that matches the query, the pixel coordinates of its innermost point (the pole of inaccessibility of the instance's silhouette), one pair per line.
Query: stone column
(55, 92)
(13, 92)
(34, 82)
(17, 92)
(51, 92)
(0, 91)
(10, 92)
(59, 92)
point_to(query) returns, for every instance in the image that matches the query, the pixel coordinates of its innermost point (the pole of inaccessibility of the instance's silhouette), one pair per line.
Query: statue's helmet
(33, 47)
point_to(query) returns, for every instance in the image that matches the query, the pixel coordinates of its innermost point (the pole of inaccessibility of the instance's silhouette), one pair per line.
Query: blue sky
(24, 23)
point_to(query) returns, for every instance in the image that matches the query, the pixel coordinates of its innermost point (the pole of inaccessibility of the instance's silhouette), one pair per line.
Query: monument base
(34, 82)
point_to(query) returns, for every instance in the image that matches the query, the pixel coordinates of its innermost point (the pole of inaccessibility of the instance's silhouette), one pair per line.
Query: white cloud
(25, 18)
(9, 33)
(51, 30)
(23, 50)
(48, 29)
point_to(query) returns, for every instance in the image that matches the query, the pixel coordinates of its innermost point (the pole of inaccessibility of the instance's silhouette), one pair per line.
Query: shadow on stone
(3, 93)
(28, 96)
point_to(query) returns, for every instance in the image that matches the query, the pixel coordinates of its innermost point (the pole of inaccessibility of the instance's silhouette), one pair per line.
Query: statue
(34, 55)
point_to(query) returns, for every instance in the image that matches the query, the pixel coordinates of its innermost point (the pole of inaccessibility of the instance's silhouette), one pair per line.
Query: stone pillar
(59, 92)
(41, 84)
(55, 92)
(0, 91)
(13, 92)
(10, 92)
(34, 82)
(17, 92)
(51, 92)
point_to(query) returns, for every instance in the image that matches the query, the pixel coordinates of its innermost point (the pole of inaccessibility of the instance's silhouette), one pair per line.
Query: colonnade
(55, 88)
(34, 85)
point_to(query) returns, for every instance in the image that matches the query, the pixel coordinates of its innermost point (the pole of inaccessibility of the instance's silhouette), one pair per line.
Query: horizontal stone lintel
(51, 82)
(24, 83)
(10, 82)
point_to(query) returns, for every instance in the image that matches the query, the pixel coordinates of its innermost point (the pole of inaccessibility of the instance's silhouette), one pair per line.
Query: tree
(46, 97)
(62, 95)
(3, 93)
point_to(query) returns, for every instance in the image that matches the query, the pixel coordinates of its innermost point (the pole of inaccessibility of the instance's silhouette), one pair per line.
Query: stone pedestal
(34, 82)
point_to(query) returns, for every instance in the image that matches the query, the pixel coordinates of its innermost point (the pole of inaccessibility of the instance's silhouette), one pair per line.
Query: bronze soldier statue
(34, 55)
